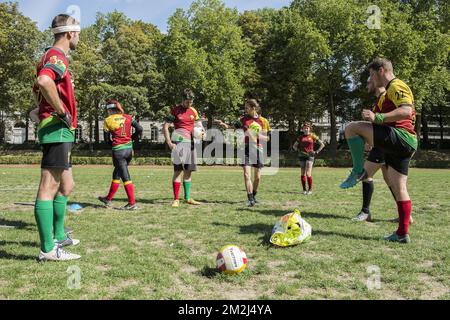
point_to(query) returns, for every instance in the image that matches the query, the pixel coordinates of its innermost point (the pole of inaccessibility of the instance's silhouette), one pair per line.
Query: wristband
(379, 118)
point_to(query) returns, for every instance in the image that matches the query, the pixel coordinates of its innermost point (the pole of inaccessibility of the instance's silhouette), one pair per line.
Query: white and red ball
(231, 260)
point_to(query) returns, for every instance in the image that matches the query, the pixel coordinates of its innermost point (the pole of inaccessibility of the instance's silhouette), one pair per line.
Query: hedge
(166, 161)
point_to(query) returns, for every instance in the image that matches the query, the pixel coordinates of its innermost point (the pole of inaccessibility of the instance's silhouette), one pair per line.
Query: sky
(152, 11)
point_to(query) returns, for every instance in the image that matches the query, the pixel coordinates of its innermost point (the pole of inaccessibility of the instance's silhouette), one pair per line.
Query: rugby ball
(231, 260)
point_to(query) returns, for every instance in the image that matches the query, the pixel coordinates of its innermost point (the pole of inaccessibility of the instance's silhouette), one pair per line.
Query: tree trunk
(91, 131)
(441, 127)
(425, 129)
(333, 131)
(97, 129)
(27, 123)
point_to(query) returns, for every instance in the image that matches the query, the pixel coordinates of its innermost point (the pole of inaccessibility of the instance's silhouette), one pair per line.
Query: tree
(204, 51)
(288, 59)
(348, 41)
(19, 41)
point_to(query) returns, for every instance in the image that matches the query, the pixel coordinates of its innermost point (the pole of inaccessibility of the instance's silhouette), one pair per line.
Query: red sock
(404, 214)
(176, 190)
(304, 183)
(310, 183)
(129, 188)
(115, 184)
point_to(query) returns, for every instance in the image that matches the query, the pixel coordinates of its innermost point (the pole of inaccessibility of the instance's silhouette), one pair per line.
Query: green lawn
(164, 253)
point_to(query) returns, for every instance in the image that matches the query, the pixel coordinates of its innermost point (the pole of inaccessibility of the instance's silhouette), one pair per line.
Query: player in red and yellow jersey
(57, 116)
(184, 118)
(305, 145)
(118, 133)
(392, 131)
(256, 131)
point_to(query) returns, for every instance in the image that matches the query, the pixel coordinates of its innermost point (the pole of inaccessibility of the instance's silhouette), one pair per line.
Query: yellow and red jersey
(119, 127)
(397, 94)
(54, 64)
(306, 143)
(184, 121)
(252, 125)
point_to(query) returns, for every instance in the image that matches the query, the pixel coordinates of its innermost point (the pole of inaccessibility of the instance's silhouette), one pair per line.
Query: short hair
(62, 20)
(188, 94)
(378, 63)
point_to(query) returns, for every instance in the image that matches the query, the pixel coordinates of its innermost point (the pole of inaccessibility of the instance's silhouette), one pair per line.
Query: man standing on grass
(54, 92)
(184, 118)
(391, 131)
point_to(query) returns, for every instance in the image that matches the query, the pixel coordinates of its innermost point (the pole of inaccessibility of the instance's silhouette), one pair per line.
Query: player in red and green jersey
(184, 118)
(392, 131)
(57, 113)
(256, 130)
(305, 145)
(118, 133)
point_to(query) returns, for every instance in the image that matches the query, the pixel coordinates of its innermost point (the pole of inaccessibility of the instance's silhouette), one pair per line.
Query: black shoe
(105, 201)
(251, 203)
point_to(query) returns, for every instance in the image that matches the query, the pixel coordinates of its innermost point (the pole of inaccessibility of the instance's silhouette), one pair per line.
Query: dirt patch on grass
(436, 290)
(26, 289)
(114, 289)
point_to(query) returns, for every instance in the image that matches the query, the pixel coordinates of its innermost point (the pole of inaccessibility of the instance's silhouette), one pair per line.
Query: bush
(423, 159)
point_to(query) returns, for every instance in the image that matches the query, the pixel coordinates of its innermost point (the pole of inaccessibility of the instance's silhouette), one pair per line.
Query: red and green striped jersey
(55, 65)
(119, 126)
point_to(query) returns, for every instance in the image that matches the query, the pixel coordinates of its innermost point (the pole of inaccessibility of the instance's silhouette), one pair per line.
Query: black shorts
(303, 159)
(397, 153)
(57, 155)
(184, 157)
(253, 157)
(376, 156)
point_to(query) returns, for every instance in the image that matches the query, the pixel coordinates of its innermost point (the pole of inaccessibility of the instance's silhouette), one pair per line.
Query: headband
(111, 106)
(63, 29)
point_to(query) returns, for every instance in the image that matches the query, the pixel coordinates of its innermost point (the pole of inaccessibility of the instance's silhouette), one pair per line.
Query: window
(154, 133)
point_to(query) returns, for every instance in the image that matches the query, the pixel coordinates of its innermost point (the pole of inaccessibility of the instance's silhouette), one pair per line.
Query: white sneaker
(67, 242)
(309, 193)
(58, 254)
(305, 193)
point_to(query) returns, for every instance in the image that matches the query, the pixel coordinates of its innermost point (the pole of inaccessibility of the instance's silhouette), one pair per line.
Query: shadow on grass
(20, 243)
(88, 205)
(306, 214)
(209, 272)
(7, 256)
(16, 224)
(167, 201)
(257, 228)
(343, 235)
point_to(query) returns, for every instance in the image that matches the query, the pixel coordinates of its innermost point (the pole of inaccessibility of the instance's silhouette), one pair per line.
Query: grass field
(164, 253)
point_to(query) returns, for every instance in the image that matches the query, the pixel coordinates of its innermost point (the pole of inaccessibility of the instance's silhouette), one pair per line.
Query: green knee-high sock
(356, 145)
(59, 212)
(187, 189)
(43, 212)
